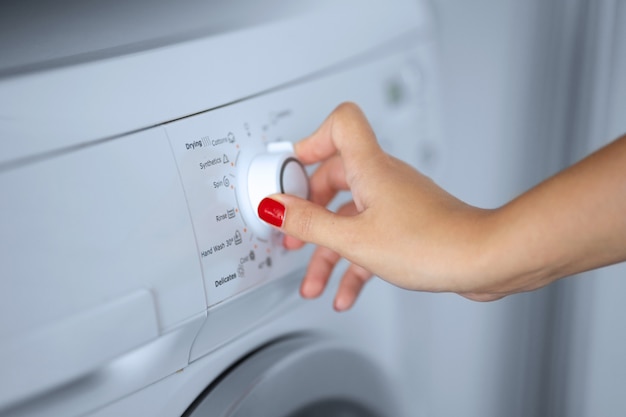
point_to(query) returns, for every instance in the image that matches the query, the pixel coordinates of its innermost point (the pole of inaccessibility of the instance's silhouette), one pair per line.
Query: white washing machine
(136, 278)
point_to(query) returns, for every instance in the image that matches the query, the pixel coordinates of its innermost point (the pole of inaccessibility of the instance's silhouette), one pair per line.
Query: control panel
(227, 169)
(231, 157)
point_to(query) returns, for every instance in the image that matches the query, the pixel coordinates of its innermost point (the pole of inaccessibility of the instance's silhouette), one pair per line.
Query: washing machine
(136, 140)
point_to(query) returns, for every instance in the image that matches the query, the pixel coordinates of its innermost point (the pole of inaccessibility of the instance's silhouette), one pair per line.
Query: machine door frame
(299, 377)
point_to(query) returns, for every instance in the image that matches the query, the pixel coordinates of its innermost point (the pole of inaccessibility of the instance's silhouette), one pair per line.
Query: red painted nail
(272, 212)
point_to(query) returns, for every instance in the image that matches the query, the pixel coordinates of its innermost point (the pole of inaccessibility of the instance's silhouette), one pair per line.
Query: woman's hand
(399, 226)
(404, 228)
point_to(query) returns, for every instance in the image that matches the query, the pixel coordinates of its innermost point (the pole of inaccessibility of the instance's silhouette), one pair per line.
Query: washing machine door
(298, 378)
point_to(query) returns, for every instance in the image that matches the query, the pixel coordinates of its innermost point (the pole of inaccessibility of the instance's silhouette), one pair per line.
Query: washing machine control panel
(231, 157)
(229, 160)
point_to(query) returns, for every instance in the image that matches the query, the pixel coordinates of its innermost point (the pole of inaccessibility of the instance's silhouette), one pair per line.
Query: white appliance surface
(134, 277)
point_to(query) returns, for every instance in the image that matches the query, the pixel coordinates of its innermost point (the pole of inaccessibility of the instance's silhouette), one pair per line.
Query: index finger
(345, 131)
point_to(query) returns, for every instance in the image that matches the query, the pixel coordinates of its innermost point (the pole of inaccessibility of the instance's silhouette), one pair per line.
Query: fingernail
(272, 212)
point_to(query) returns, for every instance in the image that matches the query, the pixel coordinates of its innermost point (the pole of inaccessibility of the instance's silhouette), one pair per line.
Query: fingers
(327, 181)
(345, 132)
(345, 138)
(320, 268)
(318, 273)
(350, 287)
(325, 258)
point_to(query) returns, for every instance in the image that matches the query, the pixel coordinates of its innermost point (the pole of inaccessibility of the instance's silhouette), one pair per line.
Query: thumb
(303, 220)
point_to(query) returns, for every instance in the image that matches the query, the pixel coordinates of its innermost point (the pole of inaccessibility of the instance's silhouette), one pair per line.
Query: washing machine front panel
(242, 276)
(137, 270)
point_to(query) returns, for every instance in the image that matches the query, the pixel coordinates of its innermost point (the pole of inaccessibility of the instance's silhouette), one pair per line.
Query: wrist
(512, 257)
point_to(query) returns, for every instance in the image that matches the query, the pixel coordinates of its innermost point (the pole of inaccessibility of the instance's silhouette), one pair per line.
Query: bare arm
(404, 228)
(572, 222)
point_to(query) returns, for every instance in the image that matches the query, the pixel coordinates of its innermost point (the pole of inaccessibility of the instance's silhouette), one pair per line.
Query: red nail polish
(272, 212)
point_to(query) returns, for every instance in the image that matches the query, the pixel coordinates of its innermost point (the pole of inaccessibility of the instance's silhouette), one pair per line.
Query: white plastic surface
(81, 231)
(59, 27)
(96, 207)
(227, 321)
(128, 373)
(90, 226)
(69, 106)
(75, 346)
(131, 229)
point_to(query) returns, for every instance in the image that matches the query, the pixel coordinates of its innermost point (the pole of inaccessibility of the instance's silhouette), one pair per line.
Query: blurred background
(529, 87)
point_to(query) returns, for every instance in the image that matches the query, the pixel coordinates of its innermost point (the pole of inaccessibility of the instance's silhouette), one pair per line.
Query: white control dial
(275, 171)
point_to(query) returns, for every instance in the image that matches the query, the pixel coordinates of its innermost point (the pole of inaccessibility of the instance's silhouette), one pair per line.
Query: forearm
(572, 222)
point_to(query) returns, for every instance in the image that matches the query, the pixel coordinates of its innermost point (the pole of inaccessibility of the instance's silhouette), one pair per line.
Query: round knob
(276, 171)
